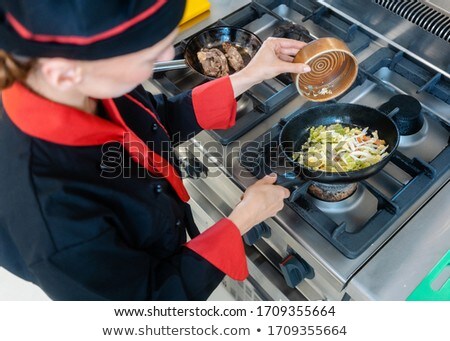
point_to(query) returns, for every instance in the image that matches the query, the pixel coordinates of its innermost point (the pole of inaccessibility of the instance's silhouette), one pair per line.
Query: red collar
(53, 122)
(57, 123)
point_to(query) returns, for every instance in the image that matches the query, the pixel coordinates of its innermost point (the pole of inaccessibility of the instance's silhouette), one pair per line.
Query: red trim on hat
(152, 114)
(214, 104)
(222, 246)
(80, 40)
(61, 124)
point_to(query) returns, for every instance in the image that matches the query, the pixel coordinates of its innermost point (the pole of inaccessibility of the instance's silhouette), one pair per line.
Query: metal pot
(245, 41)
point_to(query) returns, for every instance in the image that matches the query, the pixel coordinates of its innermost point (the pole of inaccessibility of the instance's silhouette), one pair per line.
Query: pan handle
(170, 65)
(289, 180)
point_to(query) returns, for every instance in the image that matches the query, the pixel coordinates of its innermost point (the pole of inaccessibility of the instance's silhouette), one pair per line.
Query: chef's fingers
(285, 58)
(294, 67)
(268, 179)
(288, 43)
(286, 193)
(287, 51)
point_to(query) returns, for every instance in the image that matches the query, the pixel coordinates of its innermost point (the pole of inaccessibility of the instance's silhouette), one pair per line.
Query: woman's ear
(61, 73)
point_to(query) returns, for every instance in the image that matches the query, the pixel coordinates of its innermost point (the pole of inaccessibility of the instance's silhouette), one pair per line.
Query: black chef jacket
(92, 207)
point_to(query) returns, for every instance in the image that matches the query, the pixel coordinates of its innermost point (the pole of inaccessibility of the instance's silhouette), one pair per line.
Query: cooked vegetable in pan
(338, 148)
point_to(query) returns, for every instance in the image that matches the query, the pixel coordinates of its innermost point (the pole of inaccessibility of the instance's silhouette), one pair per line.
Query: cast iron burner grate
(427, 80)
(262, 156)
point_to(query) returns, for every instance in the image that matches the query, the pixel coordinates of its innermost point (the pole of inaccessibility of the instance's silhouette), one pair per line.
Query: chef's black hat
(85, 29)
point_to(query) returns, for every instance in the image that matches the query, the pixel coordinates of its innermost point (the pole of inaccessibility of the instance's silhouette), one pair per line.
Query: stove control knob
(256, 233)
(295, 270)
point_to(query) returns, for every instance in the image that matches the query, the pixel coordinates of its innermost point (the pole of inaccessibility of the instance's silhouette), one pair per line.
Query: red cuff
(214, 104)
(222, 246)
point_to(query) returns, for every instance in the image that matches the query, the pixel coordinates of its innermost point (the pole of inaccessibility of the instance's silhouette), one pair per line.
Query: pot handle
(170, 65)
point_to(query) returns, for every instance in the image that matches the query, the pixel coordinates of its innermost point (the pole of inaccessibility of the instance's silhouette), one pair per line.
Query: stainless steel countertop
(401, 265)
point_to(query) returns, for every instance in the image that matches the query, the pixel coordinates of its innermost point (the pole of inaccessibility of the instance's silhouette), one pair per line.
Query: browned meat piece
(214, 62)
(234, 57)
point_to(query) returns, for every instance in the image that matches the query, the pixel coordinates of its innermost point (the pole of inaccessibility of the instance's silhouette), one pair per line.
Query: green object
(424, 291)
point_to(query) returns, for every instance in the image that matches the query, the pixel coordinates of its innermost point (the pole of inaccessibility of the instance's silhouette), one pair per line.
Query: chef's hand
(274, 57)
(260, 201)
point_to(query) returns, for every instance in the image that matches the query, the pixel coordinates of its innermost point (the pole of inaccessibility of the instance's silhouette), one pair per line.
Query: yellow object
(194, 8)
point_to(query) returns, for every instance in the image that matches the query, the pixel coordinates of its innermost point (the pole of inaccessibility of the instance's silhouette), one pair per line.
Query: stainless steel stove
(393, 228)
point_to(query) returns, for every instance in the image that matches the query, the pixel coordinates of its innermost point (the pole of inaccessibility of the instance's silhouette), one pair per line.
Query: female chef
(70, 221)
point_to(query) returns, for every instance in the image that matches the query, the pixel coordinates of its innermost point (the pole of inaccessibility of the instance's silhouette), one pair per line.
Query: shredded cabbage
(338, 148)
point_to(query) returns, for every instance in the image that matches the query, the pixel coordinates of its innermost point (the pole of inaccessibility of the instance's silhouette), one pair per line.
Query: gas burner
(292, 31)
(355, 210)
(409, 119)
(407, 141)
(332, 192)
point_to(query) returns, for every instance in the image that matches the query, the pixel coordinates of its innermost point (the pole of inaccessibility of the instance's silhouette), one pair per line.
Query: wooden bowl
(333, 69)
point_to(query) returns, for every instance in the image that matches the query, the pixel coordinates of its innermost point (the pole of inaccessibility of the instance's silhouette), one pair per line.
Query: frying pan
(296, 132)
(245, 41)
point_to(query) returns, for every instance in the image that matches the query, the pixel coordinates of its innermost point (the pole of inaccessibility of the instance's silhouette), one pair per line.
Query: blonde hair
(12, 69)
